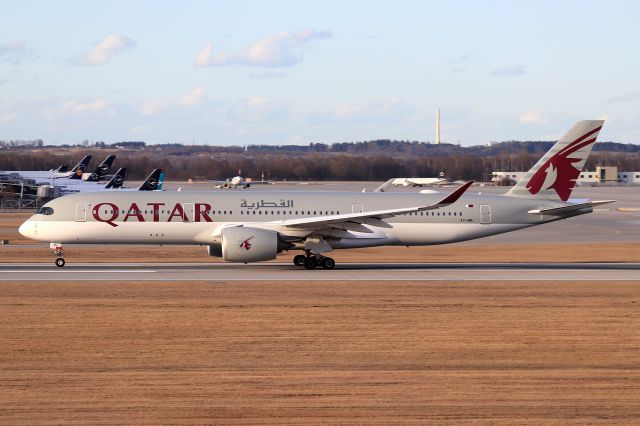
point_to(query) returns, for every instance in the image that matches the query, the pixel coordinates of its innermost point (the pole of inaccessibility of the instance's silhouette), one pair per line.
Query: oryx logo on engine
(246, 244)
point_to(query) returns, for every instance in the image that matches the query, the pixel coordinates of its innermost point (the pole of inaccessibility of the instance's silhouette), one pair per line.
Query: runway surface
(344, 272)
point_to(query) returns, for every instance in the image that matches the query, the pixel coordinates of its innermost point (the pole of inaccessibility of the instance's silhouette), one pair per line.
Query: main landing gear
(311, 261)
(57, 251)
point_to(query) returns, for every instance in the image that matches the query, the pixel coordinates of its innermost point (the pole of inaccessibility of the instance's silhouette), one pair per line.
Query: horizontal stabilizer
(569, 208)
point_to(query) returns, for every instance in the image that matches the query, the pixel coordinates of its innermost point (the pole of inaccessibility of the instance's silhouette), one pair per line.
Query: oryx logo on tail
(561, 170)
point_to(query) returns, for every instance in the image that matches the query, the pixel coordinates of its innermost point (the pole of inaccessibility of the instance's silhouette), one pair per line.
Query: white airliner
(255, 226)
(239, 182)
(414, 182)
(38, 175)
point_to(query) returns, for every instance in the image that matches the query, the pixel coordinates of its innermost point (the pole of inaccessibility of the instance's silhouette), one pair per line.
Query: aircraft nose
(27, 229)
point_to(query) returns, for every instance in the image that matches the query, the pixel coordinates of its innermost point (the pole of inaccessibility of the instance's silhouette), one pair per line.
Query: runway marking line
(84, 271)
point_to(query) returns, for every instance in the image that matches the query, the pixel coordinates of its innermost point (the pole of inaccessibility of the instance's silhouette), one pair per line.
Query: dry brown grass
(362, 352)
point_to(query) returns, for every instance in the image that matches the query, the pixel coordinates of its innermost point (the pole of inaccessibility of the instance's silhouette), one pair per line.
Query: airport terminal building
(601, 175)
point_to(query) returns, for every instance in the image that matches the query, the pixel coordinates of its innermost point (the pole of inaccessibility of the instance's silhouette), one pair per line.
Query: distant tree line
(383, 160)
(21, 143)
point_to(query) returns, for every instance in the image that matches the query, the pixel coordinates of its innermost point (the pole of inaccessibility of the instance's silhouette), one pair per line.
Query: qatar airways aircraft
(254, 226)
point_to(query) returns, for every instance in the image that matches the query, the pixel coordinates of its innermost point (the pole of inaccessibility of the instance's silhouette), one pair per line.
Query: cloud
(459, 63)
(75, 107)
(533, 116)
(384, 111)
(154, 106)
(629, 97)
(104, 51)
(4, 81)
(280, 50)
(258, 109)
(509, 71)
(14, 52)
(208, 58)
(274, 74)
(7, 118)
(194, 98)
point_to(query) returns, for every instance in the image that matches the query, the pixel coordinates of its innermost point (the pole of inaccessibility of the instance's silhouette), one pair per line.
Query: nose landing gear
(311, 261)
(57, 251)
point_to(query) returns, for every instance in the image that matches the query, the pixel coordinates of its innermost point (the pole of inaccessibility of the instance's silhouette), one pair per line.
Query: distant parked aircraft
(39, 175)
(414, 182)
(239, 182)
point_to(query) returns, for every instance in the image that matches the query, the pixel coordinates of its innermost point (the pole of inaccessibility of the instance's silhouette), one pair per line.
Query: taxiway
(344, 272)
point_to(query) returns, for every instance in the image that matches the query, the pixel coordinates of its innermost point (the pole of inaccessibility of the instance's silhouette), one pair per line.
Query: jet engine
(240, 244)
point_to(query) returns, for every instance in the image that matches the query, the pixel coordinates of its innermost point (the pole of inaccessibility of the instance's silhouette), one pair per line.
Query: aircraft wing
(371, 217)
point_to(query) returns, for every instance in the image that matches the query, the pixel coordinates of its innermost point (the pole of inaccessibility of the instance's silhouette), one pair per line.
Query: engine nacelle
(240, 244)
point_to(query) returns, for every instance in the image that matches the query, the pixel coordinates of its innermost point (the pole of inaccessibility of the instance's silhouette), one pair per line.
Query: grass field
(294, 352)
(320, 352)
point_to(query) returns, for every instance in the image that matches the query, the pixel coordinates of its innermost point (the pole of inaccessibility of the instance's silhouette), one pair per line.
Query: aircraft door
(190, 211)
(81, 212)
(485, 214)
(356, 208)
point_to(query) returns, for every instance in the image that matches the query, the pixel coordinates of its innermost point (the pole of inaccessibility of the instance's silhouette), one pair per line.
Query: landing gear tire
(60, 262)
(299, 260)
(327, 263)
(310, 262)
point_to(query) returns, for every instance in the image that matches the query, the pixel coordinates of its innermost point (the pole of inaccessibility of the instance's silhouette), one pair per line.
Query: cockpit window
(48, 211)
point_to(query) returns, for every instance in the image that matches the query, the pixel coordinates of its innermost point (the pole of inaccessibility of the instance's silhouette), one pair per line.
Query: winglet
(453, 197)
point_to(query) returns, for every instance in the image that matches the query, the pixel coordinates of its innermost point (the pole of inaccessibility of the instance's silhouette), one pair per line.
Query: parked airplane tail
(118, 179)
(102, 170)
(80, 168)
(153, 182)
(62, 169)
(554, 175)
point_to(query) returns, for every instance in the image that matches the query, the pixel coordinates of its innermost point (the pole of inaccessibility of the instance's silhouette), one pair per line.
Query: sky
(295, 72)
